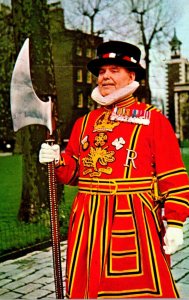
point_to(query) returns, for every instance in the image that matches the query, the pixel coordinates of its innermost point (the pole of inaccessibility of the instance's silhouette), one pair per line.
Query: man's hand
(173, 239)
(49, 153)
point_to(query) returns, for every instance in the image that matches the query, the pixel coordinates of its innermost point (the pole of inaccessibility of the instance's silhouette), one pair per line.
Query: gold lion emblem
(98, 155)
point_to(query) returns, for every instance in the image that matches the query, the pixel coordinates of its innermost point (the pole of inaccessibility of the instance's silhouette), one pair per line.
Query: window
(79, 75)
(187, 73)
(89, 77)
(90, 103)
(89, 52)
(80, 100)
(79, 51)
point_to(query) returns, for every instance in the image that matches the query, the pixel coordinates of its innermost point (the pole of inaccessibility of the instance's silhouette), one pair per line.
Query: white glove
(173, 239)
(49, 153)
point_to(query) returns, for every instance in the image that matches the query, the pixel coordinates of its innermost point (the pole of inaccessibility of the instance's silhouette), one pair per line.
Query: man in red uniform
(118, 154)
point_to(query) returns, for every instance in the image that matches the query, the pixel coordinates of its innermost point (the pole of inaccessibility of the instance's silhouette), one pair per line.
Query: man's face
(113, 77)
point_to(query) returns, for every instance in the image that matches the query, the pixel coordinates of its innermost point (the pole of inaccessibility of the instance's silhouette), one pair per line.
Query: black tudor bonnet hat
(118, 53)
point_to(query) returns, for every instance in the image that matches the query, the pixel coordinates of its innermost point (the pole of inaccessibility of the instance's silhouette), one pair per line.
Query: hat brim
(94, 65)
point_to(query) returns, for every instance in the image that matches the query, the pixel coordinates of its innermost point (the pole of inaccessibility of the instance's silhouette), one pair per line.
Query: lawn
(185, 156)
(14, 234)
(10, 187)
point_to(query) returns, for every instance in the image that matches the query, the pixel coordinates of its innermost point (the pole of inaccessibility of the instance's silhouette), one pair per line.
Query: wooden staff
(55, 229)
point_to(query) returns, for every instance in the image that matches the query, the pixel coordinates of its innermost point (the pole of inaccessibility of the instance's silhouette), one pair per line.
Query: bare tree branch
(86, 12)
(153, 20)
(145, 22)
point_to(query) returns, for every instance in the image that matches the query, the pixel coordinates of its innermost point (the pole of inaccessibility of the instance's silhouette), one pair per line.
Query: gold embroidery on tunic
(103, 123)
(100, 139)
(98, 155)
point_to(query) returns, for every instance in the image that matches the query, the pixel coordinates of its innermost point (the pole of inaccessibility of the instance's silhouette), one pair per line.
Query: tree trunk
(31, 20)
(147, 84)
(147, 79)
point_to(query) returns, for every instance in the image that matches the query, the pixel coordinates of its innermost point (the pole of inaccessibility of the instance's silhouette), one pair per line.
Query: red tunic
(114, 240)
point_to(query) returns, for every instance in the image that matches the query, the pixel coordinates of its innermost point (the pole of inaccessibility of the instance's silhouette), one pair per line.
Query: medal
(131, 116)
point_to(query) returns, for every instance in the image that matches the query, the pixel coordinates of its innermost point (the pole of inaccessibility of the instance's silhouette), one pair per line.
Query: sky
(182, 27)
(181, 24)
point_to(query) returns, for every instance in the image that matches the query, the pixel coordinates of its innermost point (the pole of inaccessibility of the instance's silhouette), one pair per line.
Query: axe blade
(26, 107)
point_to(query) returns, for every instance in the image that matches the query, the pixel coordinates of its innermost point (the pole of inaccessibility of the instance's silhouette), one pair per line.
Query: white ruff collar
(115, 96)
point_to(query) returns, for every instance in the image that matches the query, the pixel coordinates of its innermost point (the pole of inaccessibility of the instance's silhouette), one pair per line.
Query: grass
(14, 234)
(185, 156)
(10, 187)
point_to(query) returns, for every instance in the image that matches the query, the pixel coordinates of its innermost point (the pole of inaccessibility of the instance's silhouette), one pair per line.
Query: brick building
(72, 50)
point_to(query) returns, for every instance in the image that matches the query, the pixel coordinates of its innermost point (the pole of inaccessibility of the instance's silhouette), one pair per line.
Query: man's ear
(132, 76)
